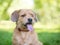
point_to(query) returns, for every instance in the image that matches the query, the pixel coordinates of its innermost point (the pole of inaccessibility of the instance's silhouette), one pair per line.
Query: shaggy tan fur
(21, 35)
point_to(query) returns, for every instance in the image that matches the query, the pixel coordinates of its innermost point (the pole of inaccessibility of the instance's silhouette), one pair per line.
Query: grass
(5, 38)
(47, 36)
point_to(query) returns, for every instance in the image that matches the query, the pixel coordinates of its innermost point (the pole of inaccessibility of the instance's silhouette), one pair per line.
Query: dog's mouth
(29, 26)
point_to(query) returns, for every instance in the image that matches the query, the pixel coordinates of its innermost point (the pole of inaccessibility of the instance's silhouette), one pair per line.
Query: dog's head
(24, 17)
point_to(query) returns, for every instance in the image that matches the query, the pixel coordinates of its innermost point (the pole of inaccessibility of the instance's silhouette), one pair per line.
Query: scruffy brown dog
(24, 33)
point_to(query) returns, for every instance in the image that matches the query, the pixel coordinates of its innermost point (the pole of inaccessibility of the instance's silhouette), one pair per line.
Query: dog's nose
(30, 20)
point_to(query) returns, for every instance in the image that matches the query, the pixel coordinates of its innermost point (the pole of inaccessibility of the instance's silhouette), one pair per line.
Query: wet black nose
(30, 20)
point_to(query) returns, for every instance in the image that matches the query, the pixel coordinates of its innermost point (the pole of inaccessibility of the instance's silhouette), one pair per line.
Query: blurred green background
(48, 13)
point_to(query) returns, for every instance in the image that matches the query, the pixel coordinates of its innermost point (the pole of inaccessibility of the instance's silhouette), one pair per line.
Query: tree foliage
(49, 10)
(4, 5)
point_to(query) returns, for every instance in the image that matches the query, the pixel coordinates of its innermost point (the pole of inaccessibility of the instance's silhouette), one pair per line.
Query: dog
(24, 33)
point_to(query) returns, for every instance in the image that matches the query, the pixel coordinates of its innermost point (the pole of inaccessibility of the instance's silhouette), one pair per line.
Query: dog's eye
(32, 15)
(23, 15)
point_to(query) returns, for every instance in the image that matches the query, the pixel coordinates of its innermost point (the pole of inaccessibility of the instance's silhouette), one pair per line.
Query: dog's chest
(25, 37)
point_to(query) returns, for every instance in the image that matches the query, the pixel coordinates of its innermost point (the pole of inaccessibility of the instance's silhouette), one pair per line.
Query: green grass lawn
(5, 38)
(47, 36)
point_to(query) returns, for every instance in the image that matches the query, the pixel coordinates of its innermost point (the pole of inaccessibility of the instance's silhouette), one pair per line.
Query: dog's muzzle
(29, 24)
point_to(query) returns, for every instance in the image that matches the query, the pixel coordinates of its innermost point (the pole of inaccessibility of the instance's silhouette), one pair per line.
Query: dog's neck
(22, 30)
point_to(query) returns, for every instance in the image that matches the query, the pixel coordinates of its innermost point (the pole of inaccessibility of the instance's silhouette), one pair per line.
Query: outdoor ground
(47, 36)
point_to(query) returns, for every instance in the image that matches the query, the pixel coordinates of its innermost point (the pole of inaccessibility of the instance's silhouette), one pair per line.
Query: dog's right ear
(14, 16)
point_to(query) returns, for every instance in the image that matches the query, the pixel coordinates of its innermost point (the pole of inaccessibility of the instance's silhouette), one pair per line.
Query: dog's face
(24, 17)
(27, 16)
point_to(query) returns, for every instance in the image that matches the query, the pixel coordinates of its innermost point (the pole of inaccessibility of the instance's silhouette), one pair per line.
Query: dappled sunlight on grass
(8, 26)
(46, 26)
(47, 30)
